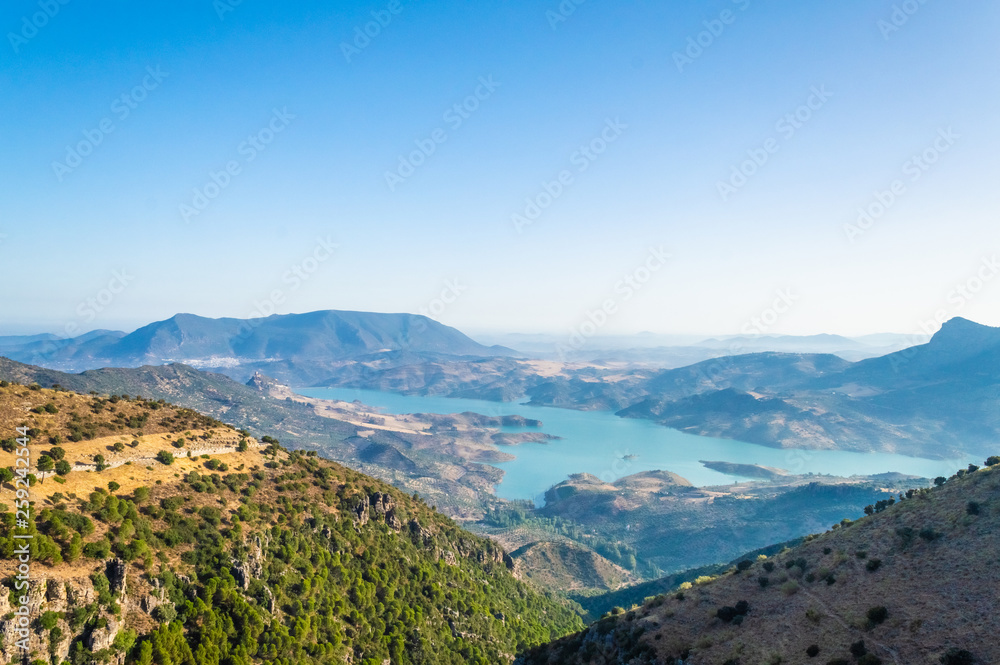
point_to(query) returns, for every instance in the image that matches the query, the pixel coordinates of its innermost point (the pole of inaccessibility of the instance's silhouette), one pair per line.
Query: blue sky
(110, 239)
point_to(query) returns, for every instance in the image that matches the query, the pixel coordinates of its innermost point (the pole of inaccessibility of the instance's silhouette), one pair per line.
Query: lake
(609, 447)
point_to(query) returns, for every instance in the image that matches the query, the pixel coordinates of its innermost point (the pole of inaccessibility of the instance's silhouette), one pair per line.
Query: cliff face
(56, 602)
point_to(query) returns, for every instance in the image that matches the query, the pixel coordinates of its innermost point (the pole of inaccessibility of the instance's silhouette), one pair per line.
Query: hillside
(914, 583)
(164, 536)
(660, 523)
(444, 458)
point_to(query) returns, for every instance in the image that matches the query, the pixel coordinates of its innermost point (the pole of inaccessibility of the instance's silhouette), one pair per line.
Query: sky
(516, 166)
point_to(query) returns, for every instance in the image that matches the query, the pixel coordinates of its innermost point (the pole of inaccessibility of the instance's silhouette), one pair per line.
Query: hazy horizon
(512, 167)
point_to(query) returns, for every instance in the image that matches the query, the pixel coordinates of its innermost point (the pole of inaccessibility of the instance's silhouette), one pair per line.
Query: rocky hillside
(162, 536)
(913, 583)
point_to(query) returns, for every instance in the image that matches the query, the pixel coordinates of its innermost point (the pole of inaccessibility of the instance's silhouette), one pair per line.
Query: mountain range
(291, 347)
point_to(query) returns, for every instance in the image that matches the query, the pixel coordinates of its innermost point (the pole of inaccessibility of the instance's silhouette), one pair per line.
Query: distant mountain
(905, 585)
(297, 348)
(937, 400)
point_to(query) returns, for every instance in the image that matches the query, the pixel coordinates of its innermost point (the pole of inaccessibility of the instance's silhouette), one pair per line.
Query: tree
(877, 615)
(57, 453)
(113, 486)
(99, 461)
(118, 447)
(940, 480)
(165, 457)
(6, 475)
(45, 464)
(63, 467)
(993, 460)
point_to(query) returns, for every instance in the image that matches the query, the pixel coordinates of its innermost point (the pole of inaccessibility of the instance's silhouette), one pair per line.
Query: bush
(118, 447)
(790, 588)
(768, 566)
(744, 565)
(763, 581)
(929, 534)
(63, 467)
(858, 649)
(877, 615)
(955, 656)
(869, 659)
(940, 480)
(726, 614)
(993, 460)
(165, 457)
(873, 565)
(113, 486)
(165, 613)
(972, 508)
(813, 651)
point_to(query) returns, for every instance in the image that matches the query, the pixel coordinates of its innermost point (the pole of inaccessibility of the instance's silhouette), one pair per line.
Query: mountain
(937, 400)
(292, 347)
(905, 585)
(164, 536)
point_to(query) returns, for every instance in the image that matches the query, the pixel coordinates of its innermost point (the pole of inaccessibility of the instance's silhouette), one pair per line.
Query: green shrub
(873, 565)
(813, 651)
(165, 457)
(956, 656)
(972, 508)
(877, 615)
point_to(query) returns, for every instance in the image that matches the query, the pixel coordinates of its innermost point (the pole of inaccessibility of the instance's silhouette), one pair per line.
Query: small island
(745, 470)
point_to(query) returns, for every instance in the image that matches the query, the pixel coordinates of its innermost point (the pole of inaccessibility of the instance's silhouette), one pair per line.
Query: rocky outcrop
(378, 506)
(253, 567)
(43, 596)
(103, 636)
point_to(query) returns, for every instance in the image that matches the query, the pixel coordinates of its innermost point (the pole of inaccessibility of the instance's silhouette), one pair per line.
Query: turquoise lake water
(609, 447)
